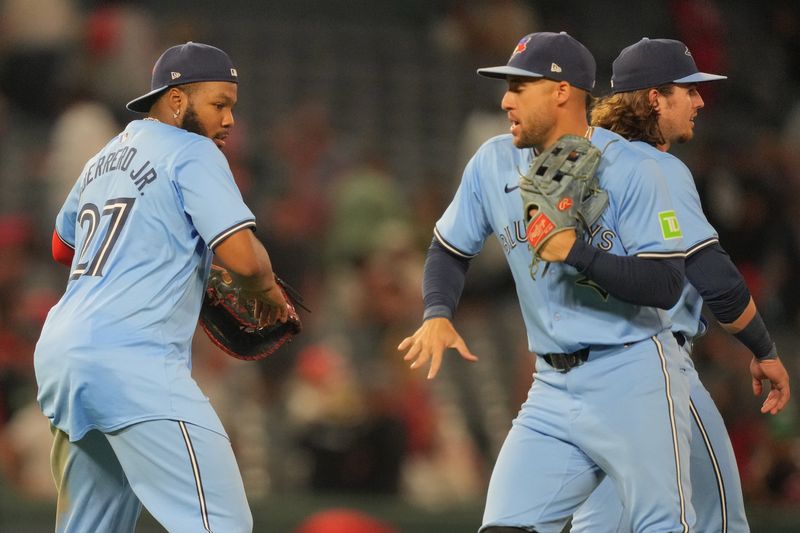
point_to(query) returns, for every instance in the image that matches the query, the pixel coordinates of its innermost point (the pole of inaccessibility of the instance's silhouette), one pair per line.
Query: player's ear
(175, 98)
(652, 97)
(563, 91)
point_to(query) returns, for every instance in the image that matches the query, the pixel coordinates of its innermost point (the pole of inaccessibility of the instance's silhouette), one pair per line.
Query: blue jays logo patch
(522, 45)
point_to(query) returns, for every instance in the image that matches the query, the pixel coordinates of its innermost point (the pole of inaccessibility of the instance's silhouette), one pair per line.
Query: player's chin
(220, 142)
(520, 141)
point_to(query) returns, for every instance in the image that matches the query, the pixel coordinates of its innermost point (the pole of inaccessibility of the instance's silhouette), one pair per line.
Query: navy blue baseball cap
(655, 62)
(555, 56)
(185, 63)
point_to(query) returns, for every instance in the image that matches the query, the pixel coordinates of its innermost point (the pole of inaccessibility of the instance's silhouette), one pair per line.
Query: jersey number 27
(89, 217)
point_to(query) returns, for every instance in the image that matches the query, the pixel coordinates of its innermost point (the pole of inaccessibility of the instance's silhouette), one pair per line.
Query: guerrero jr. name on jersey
(121, 160)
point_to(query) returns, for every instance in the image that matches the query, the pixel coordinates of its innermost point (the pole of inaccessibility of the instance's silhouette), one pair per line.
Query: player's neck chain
(151, 118)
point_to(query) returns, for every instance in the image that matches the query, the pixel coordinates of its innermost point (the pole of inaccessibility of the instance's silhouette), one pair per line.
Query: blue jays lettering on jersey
(697, 234)
(564, 311)
(143, 218)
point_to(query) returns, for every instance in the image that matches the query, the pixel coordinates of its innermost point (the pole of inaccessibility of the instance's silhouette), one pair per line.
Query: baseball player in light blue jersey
(660, 75)
(609, 398)
(113, 363)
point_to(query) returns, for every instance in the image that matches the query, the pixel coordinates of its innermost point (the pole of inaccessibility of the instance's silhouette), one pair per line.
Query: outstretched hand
(773, 371)
(429, 343)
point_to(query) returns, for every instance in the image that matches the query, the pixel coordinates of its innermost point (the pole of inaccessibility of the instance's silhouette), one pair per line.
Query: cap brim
(146, 101)
(506, 71)
(700, 77)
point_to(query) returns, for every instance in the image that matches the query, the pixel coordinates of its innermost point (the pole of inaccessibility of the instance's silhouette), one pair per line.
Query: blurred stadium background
(354, 123)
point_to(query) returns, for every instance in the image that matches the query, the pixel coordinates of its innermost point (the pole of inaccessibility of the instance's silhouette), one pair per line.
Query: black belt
(564, 362)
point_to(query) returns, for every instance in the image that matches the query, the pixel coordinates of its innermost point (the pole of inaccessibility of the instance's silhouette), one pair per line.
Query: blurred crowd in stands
(347, 147)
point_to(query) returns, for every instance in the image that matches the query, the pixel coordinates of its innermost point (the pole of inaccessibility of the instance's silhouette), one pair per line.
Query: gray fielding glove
(562, 192)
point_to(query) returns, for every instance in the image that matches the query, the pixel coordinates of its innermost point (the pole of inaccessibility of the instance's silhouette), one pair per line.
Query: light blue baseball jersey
(143, 218)
(563, 310)
(716, 487)
(697, 233)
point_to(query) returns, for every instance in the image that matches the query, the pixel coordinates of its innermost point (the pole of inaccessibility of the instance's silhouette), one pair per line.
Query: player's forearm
(725, 292)
(256, 280)
(443, 281)
(754, 333)
(247, 261)
(650, 282)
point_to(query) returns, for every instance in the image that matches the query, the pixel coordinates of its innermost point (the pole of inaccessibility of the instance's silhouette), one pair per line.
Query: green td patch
(670, 228)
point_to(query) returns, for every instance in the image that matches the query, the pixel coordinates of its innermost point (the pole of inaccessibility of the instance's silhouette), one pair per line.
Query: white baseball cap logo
(554, 68)
(175, 75)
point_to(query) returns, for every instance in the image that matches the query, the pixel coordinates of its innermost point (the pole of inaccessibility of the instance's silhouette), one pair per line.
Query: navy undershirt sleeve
(711, 271)
(443, 280)
(636, 280)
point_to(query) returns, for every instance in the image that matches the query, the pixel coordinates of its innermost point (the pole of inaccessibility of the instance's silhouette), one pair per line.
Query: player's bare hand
(557, 248)
(773, 371)
(430, 341)
(271, 306)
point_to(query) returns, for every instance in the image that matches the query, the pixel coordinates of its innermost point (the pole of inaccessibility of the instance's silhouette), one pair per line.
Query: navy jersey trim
(661, 255)
(700, 245)
(723, 498)
(198, 481)
(674, 429)
(230, 231)
(449, 247)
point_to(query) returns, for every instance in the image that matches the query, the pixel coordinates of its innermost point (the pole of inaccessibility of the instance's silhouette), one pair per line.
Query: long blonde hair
(630, 115)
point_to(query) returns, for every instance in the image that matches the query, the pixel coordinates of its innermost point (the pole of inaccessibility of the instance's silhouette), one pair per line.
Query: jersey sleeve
(464, 226)
(209, 194)
(68, 215)
(698, 232)
(648, 223)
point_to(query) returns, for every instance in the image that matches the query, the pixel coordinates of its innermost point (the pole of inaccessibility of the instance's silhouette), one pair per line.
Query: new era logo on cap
(655, 62)
(175, 75)
(556, 56)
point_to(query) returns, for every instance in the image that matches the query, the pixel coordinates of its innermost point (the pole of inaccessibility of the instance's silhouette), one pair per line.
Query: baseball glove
(562, 189)
(230, 320)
